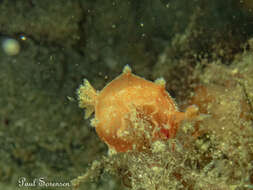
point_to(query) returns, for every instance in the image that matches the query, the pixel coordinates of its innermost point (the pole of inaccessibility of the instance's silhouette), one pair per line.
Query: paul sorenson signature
(41, 182)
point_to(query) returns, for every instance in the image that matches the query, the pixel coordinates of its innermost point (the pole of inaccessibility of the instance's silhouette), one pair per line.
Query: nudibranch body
(131, 112)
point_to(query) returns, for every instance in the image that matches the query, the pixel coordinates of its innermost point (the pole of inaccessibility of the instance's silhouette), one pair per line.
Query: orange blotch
(133, 112)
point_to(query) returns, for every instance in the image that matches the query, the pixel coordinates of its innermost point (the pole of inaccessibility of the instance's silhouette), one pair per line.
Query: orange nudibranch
(131, 112)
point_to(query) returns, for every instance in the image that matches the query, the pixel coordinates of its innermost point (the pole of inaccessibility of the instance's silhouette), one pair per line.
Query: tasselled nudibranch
(131, 112)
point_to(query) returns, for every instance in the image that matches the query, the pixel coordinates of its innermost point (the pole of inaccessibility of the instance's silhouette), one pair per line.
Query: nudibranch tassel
(127, 69)
(161, 82)
(191, 112)
(87, 98)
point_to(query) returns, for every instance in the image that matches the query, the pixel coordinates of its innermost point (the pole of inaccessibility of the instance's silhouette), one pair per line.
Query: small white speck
(11, 46)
